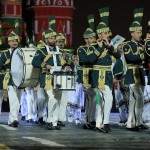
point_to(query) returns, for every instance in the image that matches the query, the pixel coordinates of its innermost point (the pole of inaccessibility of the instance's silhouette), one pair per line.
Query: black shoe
(23, 118)
(107, 128)
(41, 121)
(86, 126)
(92, 125)
(99, 129)
(142, 126)
(14, 124)
(123, 122)
(51, 127)
(133, 129)
(61, 124)
(29, 120)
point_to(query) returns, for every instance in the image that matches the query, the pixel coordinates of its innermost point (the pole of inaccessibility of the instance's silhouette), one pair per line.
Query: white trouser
(63, 106)
(54, 98)
(42, 103)
(122, 109)
(90, 105)
(103, 108)
(146, 113)
(74, 112)
(31, 104)
(76, 98)
(14, 95)
(146, 109)
(1, 99)
(24, 108)
(135, 105)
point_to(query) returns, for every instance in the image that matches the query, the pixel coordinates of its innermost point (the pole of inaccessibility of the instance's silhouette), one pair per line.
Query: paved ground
(29, 137)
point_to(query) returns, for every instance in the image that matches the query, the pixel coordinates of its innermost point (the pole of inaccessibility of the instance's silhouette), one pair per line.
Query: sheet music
(117, 40)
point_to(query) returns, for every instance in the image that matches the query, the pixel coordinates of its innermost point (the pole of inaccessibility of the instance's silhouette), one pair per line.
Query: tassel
(48, 82)
(6, 81)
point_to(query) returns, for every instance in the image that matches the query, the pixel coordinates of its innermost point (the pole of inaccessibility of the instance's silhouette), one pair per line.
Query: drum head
(17, 66)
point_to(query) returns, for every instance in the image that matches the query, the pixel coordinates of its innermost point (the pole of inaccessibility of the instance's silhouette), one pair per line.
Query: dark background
(121, 16)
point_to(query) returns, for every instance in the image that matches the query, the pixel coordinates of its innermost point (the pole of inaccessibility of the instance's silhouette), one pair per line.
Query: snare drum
(22, 72)
(64, 80)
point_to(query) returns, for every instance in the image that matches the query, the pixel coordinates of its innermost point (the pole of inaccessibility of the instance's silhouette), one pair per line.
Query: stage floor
(72, 137)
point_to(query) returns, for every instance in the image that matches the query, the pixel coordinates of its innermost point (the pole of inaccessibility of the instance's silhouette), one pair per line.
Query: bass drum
(22, 72)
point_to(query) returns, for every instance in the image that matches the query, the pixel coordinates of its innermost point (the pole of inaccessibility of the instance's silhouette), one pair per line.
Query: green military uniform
(102, 75)
(40, 61)
(49, 56)
(61, 42)
(5, 64)
(7, 83)
(86, 54)
(133, 52)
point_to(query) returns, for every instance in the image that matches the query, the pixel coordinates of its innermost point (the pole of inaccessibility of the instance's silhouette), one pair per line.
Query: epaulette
(4, 51)
(126, 47)
(40, 47)
(127, 42)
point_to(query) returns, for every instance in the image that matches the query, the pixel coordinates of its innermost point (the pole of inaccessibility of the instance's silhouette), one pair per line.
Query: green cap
(103, 25)
(60, 36)
(13, 36)
(136, 25)
(49, 33)
(52, 23)
(91, 21)
(88, 33)
(104, 14)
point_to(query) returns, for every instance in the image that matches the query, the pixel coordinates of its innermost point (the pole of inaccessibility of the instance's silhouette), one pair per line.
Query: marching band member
(41, 96)
(146, 110)
(134, 55)
(60, 42)
(121, 91)
(49, 60)
(13, 41)
(84, 74)
(102, 74)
